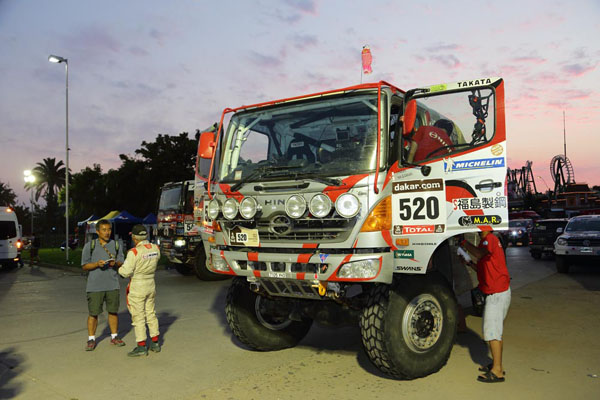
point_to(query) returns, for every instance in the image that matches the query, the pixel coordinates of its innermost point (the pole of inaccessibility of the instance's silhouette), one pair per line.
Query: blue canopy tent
(123, 223)
(92, 217)
(149, 222)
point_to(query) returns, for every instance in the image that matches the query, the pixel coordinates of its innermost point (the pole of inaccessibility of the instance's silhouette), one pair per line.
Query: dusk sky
(140, 68)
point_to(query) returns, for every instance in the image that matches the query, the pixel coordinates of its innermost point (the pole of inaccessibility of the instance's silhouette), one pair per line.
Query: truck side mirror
(410, 115)
(559, 230)
(206, 147)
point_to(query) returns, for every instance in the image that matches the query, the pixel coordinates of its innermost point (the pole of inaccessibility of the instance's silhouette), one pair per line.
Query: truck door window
(452, 122)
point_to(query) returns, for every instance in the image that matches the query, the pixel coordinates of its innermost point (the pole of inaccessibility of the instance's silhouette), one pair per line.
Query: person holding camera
(101, 258)
(494, 283)
(140, 265)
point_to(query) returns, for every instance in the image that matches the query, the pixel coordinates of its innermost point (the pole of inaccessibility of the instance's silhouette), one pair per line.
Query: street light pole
(57, 59)
(30, 178)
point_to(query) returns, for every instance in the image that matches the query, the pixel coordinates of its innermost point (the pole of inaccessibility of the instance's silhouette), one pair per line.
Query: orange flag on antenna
(367, 58)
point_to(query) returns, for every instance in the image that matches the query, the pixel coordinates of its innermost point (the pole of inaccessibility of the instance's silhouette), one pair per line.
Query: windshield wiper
(320, 179)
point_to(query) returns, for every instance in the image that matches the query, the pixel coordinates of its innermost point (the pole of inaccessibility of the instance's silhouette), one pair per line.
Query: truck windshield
(170, 198)
(318, 137)
(584, 224)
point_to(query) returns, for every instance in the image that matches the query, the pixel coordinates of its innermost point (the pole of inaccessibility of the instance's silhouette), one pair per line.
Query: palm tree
(50, 177)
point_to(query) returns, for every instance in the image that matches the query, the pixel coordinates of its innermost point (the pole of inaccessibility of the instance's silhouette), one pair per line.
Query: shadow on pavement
(7, 277)
(586, 275)
(218, 308)
(124, 327)
(165, 320)
(11, 364)
(478, 349)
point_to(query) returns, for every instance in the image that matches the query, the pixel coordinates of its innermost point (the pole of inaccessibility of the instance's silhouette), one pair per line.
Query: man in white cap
(140, 265)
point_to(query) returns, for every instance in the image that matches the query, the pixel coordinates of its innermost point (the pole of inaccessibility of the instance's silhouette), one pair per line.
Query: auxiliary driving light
(213, 209)
(320, 205)
(248, 207)
(295, 206)
(179, 243)
(230, 208)
(347, 205)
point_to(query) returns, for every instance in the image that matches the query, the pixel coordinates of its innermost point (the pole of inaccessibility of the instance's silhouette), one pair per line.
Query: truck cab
(10, 237)
(350, 200)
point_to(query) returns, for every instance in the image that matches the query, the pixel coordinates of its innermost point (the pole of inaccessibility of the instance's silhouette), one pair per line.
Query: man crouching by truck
(140, 265)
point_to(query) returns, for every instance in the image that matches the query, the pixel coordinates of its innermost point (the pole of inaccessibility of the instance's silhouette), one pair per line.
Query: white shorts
(496, 308)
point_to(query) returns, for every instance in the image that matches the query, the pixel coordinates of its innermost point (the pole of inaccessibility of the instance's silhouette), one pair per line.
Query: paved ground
(551, 346)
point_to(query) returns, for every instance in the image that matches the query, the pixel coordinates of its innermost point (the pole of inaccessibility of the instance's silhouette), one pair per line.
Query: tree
(7, 196)
(50, 177)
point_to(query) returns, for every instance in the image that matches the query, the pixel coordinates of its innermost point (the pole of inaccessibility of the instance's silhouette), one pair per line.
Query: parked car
(73, 243)
(544, 234)
(518, 231)
(579, 244)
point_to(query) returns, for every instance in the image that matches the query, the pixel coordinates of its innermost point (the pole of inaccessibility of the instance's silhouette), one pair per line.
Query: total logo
(418, 229)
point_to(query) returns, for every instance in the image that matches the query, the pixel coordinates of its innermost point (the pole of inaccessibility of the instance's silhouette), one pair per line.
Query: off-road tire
(381, 325)
(199, 267)
(246, 326)
(536, 254)
(562, 265)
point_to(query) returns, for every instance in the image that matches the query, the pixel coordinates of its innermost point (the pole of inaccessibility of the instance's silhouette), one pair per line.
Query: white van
(10, 236)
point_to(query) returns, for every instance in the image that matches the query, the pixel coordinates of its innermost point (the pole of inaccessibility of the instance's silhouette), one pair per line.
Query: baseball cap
(139, 230)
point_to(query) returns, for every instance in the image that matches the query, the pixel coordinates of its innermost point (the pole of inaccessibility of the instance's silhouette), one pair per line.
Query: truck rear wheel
(408, 329)
(261, 323)
(200, 269)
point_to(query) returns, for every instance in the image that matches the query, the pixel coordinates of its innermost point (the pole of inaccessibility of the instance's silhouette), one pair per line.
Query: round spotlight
(248, 207)
(347, 205)
(213, 209)
(295, 206)
(320, 205)
(230, 208)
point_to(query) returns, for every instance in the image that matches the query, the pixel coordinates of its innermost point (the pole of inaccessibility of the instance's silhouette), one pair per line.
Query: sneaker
(155, 347)
(138, 351)
(117, 342)
(91, 345)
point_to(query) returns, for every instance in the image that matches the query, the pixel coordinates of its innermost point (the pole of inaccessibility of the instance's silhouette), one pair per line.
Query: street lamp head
(56, 59)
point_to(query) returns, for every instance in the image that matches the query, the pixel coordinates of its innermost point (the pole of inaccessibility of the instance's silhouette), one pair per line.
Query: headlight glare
(347, 205)
(248, 207)
(561, 241)
(295, 206)
(230, 208)
(320, 205)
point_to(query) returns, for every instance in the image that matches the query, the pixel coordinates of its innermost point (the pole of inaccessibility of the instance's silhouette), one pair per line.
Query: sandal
(489, 368)
(490, 377)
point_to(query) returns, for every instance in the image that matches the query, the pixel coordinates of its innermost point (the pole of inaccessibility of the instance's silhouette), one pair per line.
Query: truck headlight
(561, 241)
(347, 205)
(179, 242)
(320, 205)
(359, 269)
(213, 209)
(219, 264)
(248, 207)
(230, 208)
(295, 206)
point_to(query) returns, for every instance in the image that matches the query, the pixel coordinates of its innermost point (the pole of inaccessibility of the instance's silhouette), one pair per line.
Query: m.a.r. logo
(469, 220)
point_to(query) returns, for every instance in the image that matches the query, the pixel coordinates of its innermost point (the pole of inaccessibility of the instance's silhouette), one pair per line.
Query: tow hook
(255, 287)
(322, 288)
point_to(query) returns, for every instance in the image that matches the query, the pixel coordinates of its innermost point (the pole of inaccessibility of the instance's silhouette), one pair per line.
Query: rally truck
(178, 234)
(345, 207)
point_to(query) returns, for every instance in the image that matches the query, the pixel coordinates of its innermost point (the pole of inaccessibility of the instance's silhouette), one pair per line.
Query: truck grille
(311, 268)
(580, 242)
(290, 288)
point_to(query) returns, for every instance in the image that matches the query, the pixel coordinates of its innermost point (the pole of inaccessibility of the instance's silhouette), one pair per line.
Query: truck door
(456, 161)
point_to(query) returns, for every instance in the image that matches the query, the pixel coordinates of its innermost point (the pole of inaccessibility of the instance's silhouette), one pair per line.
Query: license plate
(586, 250)
(548, 248)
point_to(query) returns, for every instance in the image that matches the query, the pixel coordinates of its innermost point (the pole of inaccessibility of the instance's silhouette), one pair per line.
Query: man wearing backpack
(101, 258)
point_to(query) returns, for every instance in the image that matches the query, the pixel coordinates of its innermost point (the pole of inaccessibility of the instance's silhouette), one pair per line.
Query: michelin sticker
(482, 163)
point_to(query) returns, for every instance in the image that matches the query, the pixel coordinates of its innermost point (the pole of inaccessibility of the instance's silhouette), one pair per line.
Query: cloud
(158, 36)
(94, 39)
(577, 94)
(443, 47)
(264, 61)
(531, 59)
(138, 51)
(304, 6)
(577, 69)
(302, 42)
(449, 61)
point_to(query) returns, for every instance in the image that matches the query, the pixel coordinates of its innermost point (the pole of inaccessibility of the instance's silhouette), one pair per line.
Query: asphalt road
(551, 346)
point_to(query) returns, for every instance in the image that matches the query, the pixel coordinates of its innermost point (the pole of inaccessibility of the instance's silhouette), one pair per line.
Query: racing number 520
(419, 208)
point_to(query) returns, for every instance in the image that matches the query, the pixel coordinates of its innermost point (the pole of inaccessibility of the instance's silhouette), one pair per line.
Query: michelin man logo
(448, 164)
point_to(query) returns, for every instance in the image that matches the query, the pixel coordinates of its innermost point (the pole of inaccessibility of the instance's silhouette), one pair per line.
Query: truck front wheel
(261, 323)
(408, 329)
(200, 269)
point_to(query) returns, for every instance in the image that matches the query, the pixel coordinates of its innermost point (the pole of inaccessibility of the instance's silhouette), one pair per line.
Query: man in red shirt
(494, 282)
(428, 142)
